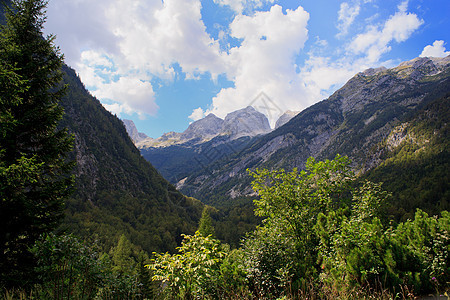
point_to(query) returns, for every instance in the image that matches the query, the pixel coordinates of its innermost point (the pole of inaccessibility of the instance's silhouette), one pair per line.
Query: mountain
(203, 129)
(245, 122)
(286, 117)
(133, 132)
(177, 155)
(414, 162)
(117, 190)
(353, 121)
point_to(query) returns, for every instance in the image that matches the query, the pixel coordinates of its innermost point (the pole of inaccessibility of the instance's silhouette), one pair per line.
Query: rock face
(286, 117)
(133, 132)
(206, 128)
(245, 122)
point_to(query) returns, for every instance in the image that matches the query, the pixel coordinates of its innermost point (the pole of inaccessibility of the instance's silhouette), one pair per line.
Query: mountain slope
(415, 162)
(351, 122)
(117, 190)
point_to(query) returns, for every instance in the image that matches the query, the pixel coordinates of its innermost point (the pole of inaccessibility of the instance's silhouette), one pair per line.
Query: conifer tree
(34, 172)
(121, 256)
(205, 226)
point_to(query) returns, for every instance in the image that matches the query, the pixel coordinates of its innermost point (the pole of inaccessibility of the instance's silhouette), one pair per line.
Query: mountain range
(176, 155)
(357, 120)
(246, 122)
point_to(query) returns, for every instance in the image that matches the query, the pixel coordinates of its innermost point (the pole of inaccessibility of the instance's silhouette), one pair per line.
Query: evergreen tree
(34, 172)
(205, 226)
(121, 256)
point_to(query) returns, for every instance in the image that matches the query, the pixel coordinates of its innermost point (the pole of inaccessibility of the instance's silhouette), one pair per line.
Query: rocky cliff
(133, 132)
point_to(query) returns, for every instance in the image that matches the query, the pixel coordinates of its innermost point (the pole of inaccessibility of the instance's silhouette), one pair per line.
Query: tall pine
(34, 171)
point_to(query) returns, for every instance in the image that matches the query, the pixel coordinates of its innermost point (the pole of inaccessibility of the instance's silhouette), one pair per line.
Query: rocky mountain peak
(245, 122)
(133, 132)
(240, 123)
(204, 128)
(420, 67)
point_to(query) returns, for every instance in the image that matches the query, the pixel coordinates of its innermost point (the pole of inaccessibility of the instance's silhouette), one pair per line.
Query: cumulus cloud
(138, 95)
(118, 47)
(435, 50)
(141, 40)
(197, 114)
(264, 62)
(376, 40)
(346, 16)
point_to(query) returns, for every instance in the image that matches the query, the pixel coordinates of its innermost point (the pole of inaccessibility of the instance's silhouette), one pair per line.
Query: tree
(34, 171)
(192, 273)
(121, 256)
(291, 202)
(324, 235)
(205, 226)
(68, 268)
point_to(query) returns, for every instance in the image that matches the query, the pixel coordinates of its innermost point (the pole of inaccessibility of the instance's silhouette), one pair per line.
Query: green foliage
(322, 231)
(291, 202)
(70, 269)
(192, 273)
(205, 226)
(121, 256)
(67, 268)
(270, 260)
(427, 241)
(34, 172)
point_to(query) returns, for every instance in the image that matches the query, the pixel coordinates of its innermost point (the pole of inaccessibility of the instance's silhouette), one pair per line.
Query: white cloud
(435, 50)
(145, 38)
(136, 94)
(172, 33)
(375, 41)
(118, 47)
(264, 62)
(403, 7)
(240, 6)
(346, 17)
(197, 114)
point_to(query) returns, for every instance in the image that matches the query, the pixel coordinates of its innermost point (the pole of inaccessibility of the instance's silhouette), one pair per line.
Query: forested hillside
(415, 162)
(117, 190)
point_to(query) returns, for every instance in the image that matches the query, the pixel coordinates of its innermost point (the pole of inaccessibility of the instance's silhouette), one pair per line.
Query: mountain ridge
(245, 122)
(350, 122)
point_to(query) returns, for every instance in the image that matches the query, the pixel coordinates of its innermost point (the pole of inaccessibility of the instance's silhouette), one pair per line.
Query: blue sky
(164, 64)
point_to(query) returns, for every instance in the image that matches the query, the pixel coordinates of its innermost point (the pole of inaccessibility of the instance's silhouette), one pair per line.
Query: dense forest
(84, 216)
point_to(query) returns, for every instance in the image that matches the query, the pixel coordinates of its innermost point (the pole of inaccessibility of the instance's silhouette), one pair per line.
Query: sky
(167, 63)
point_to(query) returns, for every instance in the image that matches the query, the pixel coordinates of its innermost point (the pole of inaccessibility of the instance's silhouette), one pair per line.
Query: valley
(348, 198)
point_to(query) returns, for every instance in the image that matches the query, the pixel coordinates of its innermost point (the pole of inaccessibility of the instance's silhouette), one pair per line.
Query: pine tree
(34, 172)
